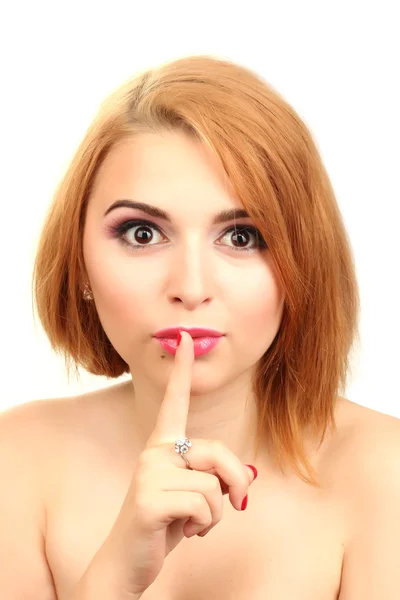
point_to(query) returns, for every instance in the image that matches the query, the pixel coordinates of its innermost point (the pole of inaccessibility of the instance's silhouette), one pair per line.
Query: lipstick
(204, 340)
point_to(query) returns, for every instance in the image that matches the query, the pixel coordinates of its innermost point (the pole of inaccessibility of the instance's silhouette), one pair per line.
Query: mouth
(195, 332)
(201, 345)
(204, 340)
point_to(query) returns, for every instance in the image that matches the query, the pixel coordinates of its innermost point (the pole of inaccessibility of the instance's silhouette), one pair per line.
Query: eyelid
(242, 221)
(118, 222)
(119, 228)
(136, 222)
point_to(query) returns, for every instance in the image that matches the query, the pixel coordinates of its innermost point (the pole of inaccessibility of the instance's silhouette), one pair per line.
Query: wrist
(102, 581)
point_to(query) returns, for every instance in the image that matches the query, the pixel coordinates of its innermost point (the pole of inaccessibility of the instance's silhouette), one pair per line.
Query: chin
(202, 388)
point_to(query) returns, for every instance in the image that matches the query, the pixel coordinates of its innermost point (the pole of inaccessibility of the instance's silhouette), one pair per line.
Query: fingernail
(179, 338)
(254, 471)
(244, 503)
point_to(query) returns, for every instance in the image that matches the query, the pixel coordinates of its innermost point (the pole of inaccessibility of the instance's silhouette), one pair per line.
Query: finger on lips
(205, 455)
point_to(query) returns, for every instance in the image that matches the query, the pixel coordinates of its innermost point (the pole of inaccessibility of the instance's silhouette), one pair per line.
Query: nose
(190, 276)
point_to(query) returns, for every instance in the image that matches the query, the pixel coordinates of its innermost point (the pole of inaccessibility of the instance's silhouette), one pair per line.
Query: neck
(227, 414)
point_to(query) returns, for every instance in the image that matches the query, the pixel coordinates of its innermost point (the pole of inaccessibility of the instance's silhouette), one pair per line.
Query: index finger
(174, 410)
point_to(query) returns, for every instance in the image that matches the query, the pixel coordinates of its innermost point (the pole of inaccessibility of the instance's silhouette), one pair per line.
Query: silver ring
(182, 446)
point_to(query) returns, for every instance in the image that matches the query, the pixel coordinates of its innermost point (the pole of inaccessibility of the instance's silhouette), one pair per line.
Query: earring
(87, 292)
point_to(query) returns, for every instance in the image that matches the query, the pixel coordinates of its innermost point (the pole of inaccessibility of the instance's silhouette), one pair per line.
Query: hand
(166, 501)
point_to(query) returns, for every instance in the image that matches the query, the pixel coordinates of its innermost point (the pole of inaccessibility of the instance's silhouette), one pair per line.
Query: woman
(227, 466)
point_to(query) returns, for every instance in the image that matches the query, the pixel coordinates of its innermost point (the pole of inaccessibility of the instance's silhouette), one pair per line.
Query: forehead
(161, 153)
(164, 169)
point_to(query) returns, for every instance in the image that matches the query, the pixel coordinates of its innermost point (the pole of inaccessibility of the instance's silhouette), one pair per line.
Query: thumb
(252, 473)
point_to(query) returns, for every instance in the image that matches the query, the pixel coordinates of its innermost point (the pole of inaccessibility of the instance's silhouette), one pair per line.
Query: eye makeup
(119, 230)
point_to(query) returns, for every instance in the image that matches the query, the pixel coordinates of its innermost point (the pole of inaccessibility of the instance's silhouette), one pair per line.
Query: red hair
(273, 163)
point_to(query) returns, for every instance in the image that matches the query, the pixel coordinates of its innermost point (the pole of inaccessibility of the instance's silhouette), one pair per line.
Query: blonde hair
(277, 173)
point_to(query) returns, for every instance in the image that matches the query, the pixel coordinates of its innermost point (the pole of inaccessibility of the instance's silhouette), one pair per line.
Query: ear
(83, 280)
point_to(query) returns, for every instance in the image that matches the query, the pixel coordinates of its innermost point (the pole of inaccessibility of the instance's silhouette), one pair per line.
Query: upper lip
(172, 332)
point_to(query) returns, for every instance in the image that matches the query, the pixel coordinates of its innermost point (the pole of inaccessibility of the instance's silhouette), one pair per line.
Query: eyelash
(119, 230)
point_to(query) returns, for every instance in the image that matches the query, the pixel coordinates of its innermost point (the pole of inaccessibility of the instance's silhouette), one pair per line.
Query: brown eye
(240, 236)
(142, 234)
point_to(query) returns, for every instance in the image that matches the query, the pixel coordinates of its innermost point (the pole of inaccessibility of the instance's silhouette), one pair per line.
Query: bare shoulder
(366, 435)
(30, 423)
(23, 445)
(51, 436)
(55, 416)
(32, 436)
(46, 427)
(367, 427)
(369, 467)
(369, 456)
(32, 430)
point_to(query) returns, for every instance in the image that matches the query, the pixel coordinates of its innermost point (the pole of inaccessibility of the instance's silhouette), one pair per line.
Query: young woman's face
(187, 271)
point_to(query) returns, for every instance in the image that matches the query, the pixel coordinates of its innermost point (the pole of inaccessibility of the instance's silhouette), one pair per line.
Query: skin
(187, 274)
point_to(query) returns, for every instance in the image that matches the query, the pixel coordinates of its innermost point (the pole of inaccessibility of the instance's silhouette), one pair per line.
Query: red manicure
(244, 503)
(254, 470)
(179, 338)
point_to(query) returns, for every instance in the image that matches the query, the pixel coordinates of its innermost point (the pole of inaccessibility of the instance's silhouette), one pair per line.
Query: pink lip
(195, 332)
(201, 345)
(204, 340)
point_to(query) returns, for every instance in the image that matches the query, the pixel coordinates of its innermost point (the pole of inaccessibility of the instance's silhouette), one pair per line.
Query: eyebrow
(154, 211)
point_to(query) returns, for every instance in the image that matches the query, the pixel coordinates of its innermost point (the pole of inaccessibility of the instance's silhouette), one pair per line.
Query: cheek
(120, 310)
(256, 313)
(119, 286)
(258, 298)
(119, 300)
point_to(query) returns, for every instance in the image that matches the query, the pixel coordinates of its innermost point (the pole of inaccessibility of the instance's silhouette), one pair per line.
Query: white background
(336, 63)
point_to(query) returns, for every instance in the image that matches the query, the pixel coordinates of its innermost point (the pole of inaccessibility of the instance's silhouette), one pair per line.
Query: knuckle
(198, 502)
(141, 472)
(149, 456)
(203, 510)
(207, 520)
(145, 457)
(220, 448)
(214, 498)
(215, 517)
(213, 485)
(145, 467)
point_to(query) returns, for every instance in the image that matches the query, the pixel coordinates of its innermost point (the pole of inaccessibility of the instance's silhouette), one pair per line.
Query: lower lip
(202, 345)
